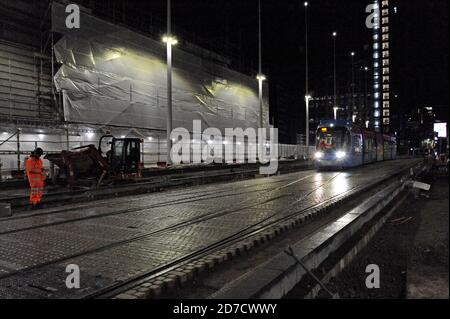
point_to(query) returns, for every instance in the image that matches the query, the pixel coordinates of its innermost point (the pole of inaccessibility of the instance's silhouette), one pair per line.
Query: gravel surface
(411, 250)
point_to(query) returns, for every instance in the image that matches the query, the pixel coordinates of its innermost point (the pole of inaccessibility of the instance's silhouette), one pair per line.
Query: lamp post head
(305, 4)
(352, 53)
(169, 39)
(261, 77)
(334, 34)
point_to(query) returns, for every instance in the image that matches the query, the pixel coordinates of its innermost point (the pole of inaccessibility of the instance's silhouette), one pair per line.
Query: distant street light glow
(335, 109)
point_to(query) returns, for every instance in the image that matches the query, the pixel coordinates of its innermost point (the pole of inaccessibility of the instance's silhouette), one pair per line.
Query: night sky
(419, 42)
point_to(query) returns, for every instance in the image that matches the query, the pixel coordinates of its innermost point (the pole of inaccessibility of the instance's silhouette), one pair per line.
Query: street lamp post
(366, 69)
(352, 91)
(260, 77)
(335, 79)
(307, 96)
(170, 41)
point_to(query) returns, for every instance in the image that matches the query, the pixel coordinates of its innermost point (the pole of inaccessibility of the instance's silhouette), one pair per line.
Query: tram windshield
(332, 138)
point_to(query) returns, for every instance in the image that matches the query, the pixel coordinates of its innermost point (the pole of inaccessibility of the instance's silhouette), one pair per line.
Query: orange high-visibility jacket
(35, 173)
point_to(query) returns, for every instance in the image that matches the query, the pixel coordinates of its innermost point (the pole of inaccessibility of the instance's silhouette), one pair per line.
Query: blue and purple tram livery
(342, 144)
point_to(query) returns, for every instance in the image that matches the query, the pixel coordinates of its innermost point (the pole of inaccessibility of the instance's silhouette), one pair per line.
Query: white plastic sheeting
(113, 76)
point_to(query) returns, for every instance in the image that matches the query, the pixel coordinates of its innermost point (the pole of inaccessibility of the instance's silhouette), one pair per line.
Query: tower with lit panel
(381, 70)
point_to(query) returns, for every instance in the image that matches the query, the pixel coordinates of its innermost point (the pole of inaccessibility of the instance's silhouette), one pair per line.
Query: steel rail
(241, 235)
(190, 199)
(197, 219)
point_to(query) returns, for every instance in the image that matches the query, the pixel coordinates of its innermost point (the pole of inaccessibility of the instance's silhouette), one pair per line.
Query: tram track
(241, 235)
(151, 184)
(100, 202)
(190, 199)
(176, 226)
(246, 232)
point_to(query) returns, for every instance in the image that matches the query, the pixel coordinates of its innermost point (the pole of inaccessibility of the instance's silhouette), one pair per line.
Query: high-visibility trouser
(37, 189)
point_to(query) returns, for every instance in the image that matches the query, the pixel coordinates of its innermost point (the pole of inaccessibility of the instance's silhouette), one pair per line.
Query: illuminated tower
(381, 70)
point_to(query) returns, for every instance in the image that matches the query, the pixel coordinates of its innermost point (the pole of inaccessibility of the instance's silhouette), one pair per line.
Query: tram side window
(367, 145)
(357, 143)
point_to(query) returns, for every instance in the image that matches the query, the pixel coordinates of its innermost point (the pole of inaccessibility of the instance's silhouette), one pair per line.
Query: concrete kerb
(279, 275)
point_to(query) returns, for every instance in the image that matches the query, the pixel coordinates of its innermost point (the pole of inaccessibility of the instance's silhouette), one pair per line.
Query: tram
(342, 144)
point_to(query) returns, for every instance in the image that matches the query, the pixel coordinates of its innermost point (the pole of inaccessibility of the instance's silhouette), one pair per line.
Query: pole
(334, 63)
(67, 139)
(307, 120)
(306, 78)
(365, 95)
(169, 85)
(260, 78)
(260, 88)
(306, 50)
(259, 39)
(353, 86)
(18, 149)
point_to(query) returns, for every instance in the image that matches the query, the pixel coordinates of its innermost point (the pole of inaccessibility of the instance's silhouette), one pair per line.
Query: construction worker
(36, 177)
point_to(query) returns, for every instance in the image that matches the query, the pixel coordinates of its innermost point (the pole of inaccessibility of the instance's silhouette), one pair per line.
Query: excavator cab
(125, 155)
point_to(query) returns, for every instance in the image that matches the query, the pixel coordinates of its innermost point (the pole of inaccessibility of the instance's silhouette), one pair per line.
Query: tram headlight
(340, 154)
(318, 155)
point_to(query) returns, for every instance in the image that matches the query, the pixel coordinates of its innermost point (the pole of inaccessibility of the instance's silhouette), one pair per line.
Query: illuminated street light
(260, 75)
(334, 63)
(169, 40)
(335, 109)
(307, 96)
(352, 54)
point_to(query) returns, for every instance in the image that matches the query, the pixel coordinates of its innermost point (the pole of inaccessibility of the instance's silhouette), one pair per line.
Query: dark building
(26, 94)
(416, 130)
(287, 116)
